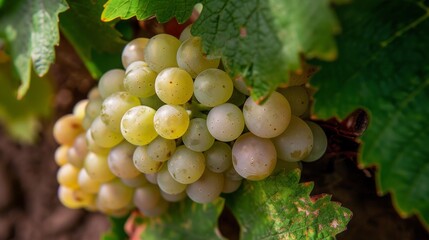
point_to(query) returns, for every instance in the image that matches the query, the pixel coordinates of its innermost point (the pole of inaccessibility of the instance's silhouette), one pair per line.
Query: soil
(29, 208)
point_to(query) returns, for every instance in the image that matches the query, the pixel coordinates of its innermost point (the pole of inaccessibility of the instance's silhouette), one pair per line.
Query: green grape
(86, 183)
(66, 129)
(79, 109)
(93, 108)
(173, 197)
(213, 87)
(254, 158)
(190, 57)
(114, 107)
(269, 119)
(225, 122)
(174, 86)
(160, 52)
(97, 167)
(92, 146)
(219, 157)
(74, 198)
(135, 182)
(114, 195)
(207, 188)
(147, 197)
(320, 142)
(144, 163)
(152, 101)
(140, 81)
(171, 121)
(67, 176)
(151, 177)
(74, 158)
(94, 93)
(161, 149)
(120, 161)
(157, 210)
(198, 137)
(112, 81)
(167, 183)
(103, 136)
(186, 166)
(230, 186)
(298, 98)
(241, 86)
(186, 33)
(61, 155)
(137, 125)
(296, 142)
(134, 51)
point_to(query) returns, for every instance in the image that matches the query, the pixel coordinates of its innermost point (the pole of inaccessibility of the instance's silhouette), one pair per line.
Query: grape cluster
(173, 125)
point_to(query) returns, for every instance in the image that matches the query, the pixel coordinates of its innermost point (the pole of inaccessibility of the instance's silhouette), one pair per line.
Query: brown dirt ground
(29, 208)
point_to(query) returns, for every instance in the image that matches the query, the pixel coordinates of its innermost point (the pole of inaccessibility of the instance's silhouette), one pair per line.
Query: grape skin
(137, 125)
(225, 122)
(174, 86)
(207, 188)
(320, 142)
(198, 137)
(171, 121)
(134, 51)
(213, 87)
(112, 81)
(186, 166)
(160, 52)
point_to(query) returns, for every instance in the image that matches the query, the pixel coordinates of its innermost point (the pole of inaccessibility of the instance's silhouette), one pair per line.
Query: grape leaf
(185, 220)
(261, 40)
(384, 68)
(281, 208)
(164, 10)
(20, 117)
(30, 30)
(98, 44)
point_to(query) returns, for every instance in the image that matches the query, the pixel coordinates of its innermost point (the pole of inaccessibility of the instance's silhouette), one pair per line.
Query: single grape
(298, 98)
(81, 145)
(269, 119)
(225, 122)
(79, 108)
(93, 108)
(207, 188)
(230, 186)
(140, 82)
(114, 107)
(171, 121)
(120, 161)
(160, 52)
(137, 125)
(97, 168)
(74, 198)
(254, 158)
(218, 157)
(186, 166)
(174, 86)
(103, 136)
(147, 197)
(114, 195)
(198, 137)
(144, 163)
(66, 129)
(92, 146)
(241, 86)
(213, 87)
(190, 57)
(161, 149)
(167, 183)
(86, 183)
(134, 51)
(94, 93)
(320, 142)
(112, 81)
(74, 158)
(296, 142)
(61, 155)
(135, 182)
(67, 176)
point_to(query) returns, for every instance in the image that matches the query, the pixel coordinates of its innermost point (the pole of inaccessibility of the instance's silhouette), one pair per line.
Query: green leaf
(384, 68)
(185, 220)
(164, 10)
(116, 231)
(98, 44)
(281, 208)
(30, 30)
(261, 40)
(21, 117)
